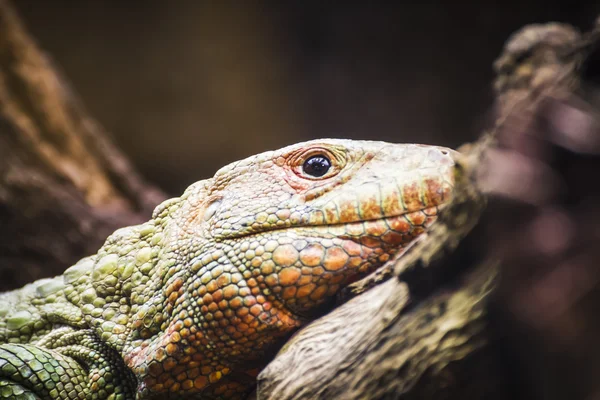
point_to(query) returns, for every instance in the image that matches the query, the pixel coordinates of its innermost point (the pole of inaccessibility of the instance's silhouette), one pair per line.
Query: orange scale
(335, 259)
(289, 276)
(174, 337)
(305, 279)
(369, 208)
(285, 255)
(312, 255)
(242, 312)
(263, 316)
(228, 313)
(249, 301)
(393, 238)
(352, 248)
(356, 229)
(223, 305)
(236, 302)
(217, 296)
(411, 196)
(370, 242)
(391, 203)
(248, 319)
(348, 211)
(158, 387)
(384, 258)
(256, 262)
(169, 364)
(237, 335)
(212, 286)
(355, 262)
(224, 280)
(200, 382)
(416, 218)
(255, 310)
(399, 225)
(173, 297)
(319, 293)
(192, 373)
(213, 307)
(155, 369)
(375, 228)
(305, 290)
(289, 292)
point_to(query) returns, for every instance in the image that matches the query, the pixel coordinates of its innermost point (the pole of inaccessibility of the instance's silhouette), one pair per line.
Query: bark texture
(63, 186)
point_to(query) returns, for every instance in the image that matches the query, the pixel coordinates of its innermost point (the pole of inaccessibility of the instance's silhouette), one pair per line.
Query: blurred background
(185, 87)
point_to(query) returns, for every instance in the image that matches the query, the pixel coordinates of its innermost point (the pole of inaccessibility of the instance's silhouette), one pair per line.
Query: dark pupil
(316, 166)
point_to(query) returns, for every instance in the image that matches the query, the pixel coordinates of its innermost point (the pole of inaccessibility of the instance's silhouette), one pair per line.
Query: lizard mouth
(355, 228)
(404, 223)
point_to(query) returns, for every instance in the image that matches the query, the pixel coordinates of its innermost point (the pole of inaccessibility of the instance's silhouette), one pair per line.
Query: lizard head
(301, 222)
(243, 257)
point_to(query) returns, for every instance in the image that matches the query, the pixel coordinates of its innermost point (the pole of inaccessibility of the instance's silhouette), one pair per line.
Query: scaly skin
(169, 308)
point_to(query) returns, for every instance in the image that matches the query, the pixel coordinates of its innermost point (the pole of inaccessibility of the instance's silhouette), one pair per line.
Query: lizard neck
(213, 319)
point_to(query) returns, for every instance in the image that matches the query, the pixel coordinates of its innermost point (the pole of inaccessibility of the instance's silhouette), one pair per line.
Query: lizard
(174, 307)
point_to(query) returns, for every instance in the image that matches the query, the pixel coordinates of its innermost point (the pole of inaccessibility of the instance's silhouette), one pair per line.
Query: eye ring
(317, 165)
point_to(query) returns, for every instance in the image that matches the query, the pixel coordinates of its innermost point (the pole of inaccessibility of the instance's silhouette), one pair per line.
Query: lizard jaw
(305, 266)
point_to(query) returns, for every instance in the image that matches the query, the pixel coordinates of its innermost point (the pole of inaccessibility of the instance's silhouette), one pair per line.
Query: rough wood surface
(63, 186)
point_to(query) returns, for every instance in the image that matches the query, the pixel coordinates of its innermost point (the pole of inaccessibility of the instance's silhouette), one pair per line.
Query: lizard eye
(316, 163)
(316, 166)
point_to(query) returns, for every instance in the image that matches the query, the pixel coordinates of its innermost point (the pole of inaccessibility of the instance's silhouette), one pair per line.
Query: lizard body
(169, 308)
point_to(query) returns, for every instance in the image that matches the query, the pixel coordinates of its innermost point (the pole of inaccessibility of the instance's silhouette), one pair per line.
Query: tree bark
(64, 187)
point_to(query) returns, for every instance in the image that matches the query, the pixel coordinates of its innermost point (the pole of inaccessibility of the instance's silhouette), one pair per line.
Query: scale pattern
(180, 307)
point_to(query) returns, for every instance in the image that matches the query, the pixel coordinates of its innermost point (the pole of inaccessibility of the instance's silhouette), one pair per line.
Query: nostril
(438, 155)
(441, 156)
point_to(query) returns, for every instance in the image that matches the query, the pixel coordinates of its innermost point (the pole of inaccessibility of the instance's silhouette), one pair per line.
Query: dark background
(188, 86)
